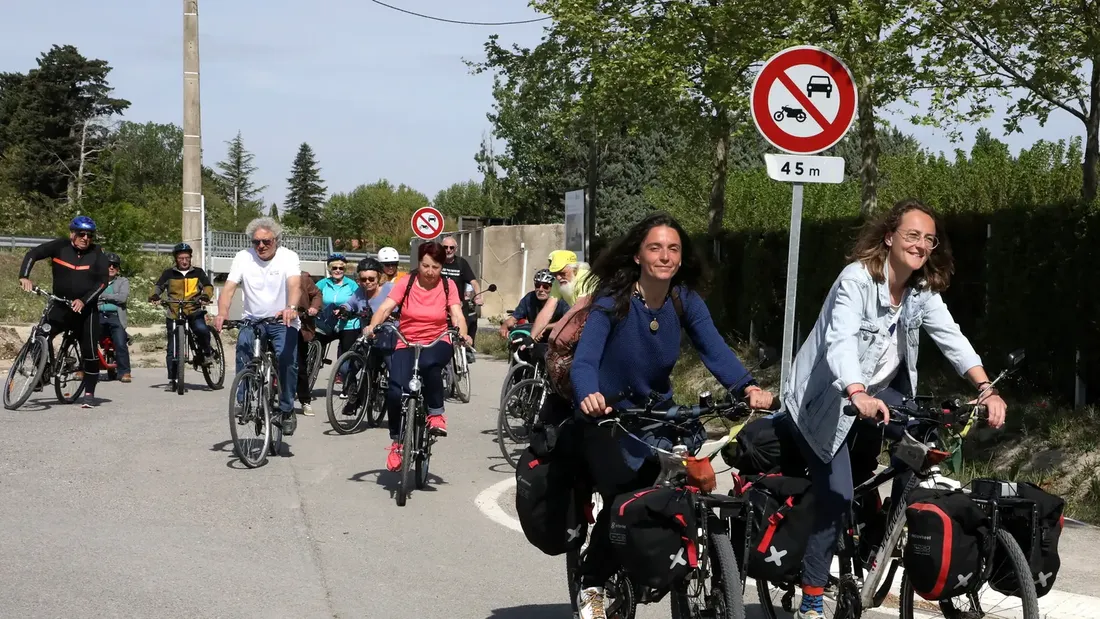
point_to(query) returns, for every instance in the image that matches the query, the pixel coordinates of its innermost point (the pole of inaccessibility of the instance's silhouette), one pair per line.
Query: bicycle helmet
(335, 258)
(388, 255)
(369, 264)
(182, 248)
(82, 223)
(113, 258)
(543, 276)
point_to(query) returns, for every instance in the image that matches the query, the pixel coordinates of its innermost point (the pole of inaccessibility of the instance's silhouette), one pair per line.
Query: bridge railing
(227, 244)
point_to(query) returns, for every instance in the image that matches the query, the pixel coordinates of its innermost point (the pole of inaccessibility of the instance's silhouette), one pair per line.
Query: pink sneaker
(437, 425)
(393, 460)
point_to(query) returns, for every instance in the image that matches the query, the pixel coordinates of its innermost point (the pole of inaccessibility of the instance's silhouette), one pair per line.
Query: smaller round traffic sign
(427, 223)
(803, 100)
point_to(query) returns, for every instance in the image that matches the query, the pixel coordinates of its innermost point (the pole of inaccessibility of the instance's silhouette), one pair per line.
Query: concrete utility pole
(192, 134)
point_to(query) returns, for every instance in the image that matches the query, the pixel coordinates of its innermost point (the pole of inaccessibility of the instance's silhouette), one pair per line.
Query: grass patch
(490, 343)
(18, 307)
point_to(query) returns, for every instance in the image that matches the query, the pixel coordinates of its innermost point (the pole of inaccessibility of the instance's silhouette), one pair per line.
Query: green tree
(273, 212)
(306, 197)
(1042, 57)
(468, 199)
(236, 174)
(146, 156)
(53, 121)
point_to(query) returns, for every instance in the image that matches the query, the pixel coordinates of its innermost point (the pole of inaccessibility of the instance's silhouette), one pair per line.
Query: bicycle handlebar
(251, 322)
(680, 413)
(900, 417)
(401, 336)
(42, 293)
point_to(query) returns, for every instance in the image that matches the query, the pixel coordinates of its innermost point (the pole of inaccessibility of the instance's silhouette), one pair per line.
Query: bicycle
(214, 372)
(254, 398)
(416, 441)
(522, 403)
(105, 351)
(37, 362)
(868, 566)
(456, 377)
(717, 563)
(363, 391)
(519, 340)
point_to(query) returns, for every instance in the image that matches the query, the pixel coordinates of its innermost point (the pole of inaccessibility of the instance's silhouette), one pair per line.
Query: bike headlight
(46, 327)
(414, 384)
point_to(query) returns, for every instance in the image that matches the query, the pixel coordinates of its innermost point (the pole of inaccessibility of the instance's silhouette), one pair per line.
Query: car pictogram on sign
(819, 83)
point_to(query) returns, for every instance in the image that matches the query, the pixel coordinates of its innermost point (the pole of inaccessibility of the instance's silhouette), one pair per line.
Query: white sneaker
(590, 602)
(307, 410)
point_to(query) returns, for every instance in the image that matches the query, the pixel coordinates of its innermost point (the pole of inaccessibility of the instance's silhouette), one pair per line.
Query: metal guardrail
(27, 242)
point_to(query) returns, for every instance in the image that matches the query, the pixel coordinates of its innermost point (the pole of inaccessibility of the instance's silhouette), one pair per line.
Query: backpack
(550, 499)
(1035, 520)
(943, 549)
(653, 533)
(778, 527)
(565, 336)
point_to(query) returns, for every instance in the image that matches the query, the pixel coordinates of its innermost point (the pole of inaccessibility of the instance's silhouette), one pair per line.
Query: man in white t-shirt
(267, 275)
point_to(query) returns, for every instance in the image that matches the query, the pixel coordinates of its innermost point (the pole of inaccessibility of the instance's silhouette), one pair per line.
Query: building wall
(503, 250)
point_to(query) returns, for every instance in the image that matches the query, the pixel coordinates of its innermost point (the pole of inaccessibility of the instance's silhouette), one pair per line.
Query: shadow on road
(234, 462)
(533, 611)
(390, 480)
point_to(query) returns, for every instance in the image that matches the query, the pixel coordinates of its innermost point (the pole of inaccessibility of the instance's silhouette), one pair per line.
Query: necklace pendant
(653, 326)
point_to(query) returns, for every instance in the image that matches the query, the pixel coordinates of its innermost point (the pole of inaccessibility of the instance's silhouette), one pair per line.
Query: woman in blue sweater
(336, 290)
(631, 341)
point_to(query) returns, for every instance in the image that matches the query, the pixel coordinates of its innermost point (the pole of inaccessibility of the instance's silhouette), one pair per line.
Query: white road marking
(488, 501)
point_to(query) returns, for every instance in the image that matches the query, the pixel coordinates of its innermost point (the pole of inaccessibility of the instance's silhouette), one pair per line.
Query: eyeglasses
(915, 236)
(264, 242)
(84, 235)
(542, 286)
(367, 280)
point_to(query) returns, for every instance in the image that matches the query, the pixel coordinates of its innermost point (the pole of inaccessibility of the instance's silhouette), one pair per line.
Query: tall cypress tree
(307, 193)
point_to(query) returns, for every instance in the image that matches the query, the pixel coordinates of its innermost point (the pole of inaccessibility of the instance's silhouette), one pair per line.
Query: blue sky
(378, 94)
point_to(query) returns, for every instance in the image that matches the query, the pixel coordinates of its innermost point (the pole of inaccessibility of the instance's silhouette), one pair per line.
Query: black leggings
(85, 327)
(347, 338)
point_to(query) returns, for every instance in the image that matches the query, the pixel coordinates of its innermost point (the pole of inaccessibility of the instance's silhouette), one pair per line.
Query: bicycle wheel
(181, 357)
(314, 361)
(409, 443)
(376, 402)
(66, 385)
(214, 374)
(462, 375)
(249, 418)
(1025, 601)
(515, 374)
(271, 401)
(345, 416)
(522, 405)
(28, 365)
(112, 365)
(723, 600)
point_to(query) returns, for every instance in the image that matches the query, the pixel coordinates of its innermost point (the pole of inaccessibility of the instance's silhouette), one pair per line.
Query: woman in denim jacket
(866, 337)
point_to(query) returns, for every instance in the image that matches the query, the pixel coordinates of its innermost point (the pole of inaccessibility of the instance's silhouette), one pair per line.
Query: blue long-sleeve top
(358, 303)
(613, 357)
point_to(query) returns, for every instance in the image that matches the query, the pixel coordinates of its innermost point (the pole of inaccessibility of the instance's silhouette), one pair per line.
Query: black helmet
(369, 264)
(182, 248)
(543, 276)
(113, 258)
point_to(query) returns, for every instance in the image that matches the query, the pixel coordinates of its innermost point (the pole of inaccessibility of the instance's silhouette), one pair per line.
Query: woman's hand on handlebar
(995, 407)
(594, 405)
(759, 399)
(870, 408)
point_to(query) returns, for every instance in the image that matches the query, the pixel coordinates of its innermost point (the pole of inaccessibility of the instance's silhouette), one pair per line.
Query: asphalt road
(140, 509)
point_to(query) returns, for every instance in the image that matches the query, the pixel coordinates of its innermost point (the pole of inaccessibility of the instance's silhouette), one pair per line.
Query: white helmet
(388, 255)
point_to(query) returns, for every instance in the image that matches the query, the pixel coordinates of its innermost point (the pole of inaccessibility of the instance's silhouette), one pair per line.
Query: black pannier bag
(944, 545)
(549, 490)
(1035, 519)
(653, 534)
(778, 529)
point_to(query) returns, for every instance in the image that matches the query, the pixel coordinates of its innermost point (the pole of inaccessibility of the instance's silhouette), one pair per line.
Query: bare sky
(376, 93)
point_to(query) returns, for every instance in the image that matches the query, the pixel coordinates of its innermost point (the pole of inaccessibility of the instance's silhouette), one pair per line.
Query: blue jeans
(110, 322)
(432, 362)
(199, 330)
(285, 342)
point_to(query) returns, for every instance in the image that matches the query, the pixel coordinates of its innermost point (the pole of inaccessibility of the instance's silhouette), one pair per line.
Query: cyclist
(80, 273)
(457, 269)
(269, 277)
(336, 289)
(368, 300)
(571, 284)
(863, 351)
(532, 302)
(112, 314)
(184, 282)
(428, 302)
(390, 260)
(312, 301)
(631, 341)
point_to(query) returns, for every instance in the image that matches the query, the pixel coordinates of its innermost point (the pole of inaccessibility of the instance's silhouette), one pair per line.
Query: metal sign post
(792, 283)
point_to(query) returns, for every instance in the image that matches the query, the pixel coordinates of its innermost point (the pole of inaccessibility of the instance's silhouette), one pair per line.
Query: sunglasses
(368, 280)
(334, 269)
(542, 286)
(84, 235)
(264, 242)
(450, 247)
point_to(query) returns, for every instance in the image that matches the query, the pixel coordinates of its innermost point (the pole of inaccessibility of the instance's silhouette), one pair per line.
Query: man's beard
(566, 288)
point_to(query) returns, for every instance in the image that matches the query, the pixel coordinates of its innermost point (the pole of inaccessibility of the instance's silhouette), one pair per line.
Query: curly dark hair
(616, 272)
(870, 247)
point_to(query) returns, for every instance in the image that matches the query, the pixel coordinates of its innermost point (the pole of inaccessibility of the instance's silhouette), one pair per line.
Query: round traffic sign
(427, 223)
(803, 100)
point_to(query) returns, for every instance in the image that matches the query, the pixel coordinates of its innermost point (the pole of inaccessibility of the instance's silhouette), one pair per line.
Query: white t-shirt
(264, 284)
(890, 360)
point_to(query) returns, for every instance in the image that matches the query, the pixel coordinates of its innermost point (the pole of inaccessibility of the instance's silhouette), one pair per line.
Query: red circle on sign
(427, 223)
(774, 70)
